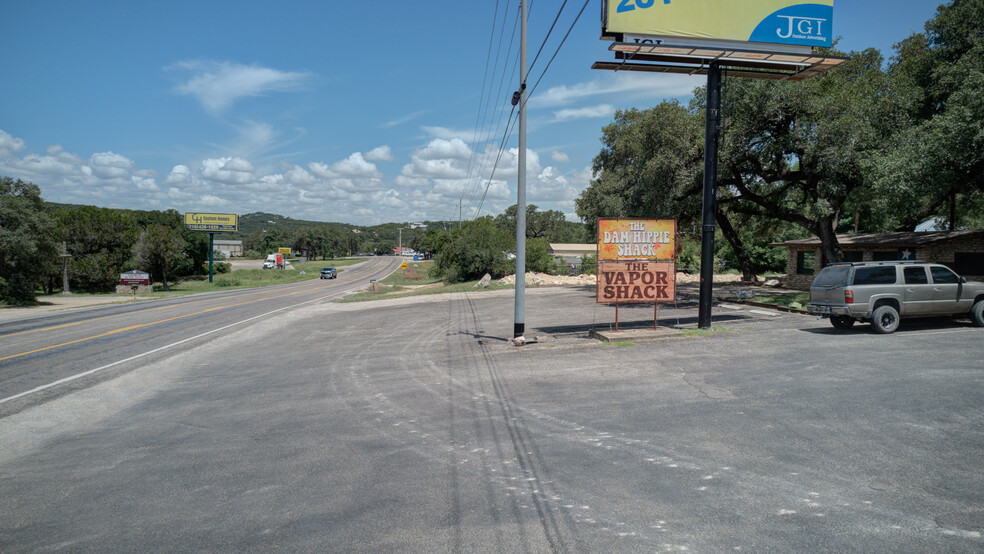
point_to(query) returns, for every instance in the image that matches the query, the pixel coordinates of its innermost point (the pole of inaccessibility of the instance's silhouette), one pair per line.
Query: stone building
(961, 251)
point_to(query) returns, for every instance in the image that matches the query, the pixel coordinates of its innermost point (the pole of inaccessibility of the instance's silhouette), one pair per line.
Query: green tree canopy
(159, 250)
(27, 247)
(935, 166)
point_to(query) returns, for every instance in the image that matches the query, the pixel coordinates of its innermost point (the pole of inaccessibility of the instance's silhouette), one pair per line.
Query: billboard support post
(210, 251)
(712, 128)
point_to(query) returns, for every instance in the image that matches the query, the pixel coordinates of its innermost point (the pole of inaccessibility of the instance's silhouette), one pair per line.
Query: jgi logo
(801, 27)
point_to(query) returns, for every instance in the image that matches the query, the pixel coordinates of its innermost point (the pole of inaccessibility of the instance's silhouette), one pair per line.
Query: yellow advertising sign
(283, 251)
(796, 22)
(197, 221)
(636, 239)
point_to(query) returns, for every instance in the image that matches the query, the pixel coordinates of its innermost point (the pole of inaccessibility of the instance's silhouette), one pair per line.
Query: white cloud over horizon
(351, 189)
(217, 85)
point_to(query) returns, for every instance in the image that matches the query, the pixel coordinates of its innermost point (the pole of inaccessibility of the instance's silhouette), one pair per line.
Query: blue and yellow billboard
(763, 21)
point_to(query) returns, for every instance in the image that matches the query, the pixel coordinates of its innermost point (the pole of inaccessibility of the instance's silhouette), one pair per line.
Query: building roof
(890, 240)
(555, 246)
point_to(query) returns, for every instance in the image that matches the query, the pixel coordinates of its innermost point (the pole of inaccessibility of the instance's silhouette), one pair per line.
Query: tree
(476, 247)
(652, 166)
(935, 166)
(549, 224)
(650, 163)
(27, 248)
(100, 241)
(798, 151)
(159, 250)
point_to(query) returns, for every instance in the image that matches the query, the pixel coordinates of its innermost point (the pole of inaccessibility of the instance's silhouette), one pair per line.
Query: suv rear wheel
(977, 313)
(842, 321)
(885, 319)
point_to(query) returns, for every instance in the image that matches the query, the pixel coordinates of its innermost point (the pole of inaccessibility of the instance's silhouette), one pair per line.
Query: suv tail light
(849, 297)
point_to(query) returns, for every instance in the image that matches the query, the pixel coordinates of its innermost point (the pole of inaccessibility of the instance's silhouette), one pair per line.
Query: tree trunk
(829, 246)
(747, 271)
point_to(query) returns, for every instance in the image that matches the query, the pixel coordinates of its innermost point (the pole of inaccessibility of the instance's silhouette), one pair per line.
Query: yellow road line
(64, 325)
(132, 327)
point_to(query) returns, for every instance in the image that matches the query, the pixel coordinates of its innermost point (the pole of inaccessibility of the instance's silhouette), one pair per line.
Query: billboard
(635, 282)
(636, 239)
(197, 221)
(787, 22)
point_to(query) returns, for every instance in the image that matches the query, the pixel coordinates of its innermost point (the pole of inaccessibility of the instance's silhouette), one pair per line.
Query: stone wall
(141, 289)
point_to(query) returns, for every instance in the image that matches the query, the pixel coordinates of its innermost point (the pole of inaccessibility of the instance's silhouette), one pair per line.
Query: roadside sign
(196, 221)
(284, 251)
(403, 266)
(416, 258)
(135, 278)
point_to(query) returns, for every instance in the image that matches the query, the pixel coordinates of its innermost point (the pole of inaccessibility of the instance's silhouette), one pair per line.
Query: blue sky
(358, 112)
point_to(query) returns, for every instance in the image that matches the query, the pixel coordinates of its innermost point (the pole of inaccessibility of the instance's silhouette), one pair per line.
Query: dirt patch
(543, 279)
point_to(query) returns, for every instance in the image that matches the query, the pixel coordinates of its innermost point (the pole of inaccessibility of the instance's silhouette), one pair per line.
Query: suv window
(832, 276)
(915, 275)
(943, 275)
(879, 275)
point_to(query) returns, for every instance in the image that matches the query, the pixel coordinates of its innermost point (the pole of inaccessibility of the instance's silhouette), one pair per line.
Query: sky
(352, 112)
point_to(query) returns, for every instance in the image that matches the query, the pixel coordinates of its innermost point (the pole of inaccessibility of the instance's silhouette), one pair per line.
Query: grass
(621, 344)
(240, 279)
(714, 330)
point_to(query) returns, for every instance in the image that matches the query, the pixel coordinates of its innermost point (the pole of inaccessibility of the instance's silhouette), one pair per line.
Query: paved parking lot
(414, 425)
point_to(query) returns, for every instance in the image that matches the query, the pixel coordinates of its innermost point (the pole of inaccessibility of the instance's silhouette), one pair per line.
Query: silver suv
(881, 292)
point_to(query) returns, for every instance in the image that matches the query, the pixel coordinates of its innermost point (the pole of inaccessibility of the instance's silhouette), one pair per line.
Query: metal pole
(210, 237)
(711, 130)
(519, 326)
(65, 256)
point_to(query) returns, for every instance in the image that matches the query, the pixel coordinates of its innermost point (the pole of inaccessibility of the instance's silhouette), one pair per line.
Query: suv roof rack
(882, 262)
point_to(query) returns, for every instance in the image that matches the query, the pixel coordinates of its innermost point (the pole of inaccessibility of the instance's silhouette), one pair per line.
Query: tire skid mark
(560, 532)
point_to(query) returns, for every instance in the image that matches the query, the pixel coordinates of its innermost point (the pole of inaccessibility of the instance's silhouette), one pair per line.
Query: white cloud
(108, 165)
(355, 166)
(404, 119)
(441, 148)
(218, 85)
(619, 84)
(10, 145)
(380, 154)
(559, 157)
(229, 170)
(569, 114)
(447, 134)
(179, 174)
(435, 169)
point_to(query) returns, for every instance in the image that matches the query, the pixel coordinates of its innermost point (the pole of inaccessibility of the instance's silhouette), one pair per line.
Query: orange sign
(636, 239)
(633, 282)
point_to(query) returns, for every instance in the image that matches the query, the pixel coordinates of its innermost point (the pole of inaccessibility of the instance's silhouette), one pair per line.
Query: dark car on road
(883, 292)
(328, 273)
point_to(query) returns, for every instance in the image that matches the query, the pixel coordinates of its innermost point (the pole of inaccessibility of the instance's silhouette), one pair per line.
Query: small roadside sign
(403, 266)
(135, 278)
(282, 250)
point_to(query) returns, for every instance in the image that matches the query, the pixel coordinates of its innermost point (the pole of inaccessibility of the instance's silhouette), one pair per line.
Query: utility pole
(519, 326)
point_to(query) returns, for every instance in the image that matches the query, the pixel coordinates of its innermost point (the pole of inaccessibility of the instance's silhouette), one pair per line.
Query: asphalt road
(43, 357)
(414, 426)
